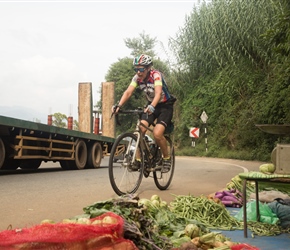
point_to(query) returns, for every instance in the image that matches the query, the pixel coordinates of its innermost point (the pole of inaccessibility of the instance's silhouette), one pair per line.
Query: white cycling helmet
(142, 60)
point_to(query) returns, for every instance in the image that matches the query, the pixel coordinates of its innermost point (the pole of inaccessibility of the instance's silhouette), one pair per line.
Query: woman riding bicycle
(160, 102)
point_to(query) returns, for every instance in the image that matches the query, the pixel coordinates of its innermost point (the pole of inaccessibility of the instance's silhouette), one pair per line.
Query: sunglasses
(139, 69)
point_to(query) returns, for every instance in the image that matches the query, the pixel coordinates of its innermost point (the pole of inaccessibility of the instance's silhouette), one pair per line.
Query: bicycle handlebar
(132, 111)
(138, 111)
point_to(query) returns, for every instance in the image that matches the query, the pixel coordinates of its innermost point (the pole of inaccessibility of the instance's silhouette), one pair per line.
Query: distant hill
(23, 113)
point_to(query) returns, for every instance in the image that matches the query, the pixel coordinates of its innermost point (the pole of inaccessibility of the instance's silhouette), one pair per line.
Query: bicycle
(126, 174)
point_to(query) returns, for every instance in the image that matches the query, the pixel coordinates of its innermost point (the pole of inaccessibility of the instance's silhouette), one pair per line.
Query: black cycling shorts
(163, 113)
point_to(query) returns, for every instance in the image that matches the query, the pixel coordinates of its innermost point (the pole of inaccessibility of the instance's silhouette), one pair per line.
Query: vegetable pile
(213, 215)
(185, 223)
(145, 224)
(102, 232)
(152, 224)
(236, 184)
(230, 198)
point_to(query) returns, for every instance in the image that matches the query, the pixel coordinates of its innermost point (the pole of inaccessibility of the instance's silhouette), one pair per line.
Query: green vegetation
(231, 59)
(61, 120)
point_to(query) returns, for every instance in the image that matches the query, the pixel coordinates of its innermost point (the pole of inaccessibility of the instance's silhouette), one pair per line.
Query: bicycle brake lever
(116, 118)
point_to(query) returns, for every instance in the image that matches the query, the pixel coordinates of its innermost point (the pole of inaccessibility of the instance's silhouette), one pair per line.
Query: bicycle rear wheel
(125, 175)
(163, 180)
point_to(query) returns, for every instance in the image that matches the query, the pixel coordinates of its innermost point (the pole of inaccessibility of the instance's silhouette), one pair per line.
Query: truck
(26, 144)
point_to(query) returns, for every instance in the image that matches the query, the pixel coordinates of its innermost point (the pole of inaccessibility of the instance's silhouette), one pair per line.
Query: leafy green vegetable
(267, 168)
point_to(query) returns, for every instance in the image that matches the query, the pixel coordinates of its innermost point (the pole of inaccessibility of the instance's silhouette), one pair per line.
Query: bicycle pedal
(157, 168)
(146, 173)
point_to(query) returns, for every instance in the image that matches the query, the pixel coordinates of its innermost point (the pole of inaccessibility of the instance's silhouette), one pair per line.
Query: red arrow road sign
(194, 132)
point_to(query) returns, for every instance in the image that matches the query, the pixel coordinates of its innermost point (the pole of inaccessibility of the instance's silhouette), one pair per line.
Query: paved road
(27, 197)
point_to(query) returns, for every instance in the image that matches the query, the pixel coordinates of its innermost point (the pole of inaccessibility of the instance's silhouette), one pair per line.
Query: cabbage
(84, 221)
(69, 221)
(97, 222)
(144, 202)
(267, 168)
(156, 203)
(191, 230)
(109, 220)
(151, 205)
(155, 197)
(47, 221)
(163, 204)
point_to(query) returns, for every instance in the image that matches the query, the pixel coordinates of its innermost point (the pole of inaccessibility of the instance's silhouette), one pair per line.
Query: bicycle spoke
(124, 174)
(163, 180)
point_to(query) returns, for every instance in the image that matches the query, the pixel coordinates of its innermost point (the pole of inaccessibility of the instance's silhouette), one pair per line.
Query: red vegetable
(228, 193)
(219, 195)
(228, 203)
(231, 198)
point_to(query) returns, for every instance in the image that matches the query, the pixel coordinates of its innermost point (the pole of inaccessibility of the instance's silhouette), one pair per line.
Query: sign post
(204, 118)
(194, 133)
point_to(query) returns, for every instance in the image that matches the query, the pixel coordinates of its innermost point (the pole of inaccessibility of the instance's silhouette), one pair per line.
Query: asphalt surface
(28, 197)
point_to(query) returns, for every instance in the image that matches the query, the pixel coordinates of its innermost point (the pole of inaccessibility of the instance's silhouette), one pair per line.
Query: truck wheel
(64, 165)
(2, 153)
(81, 154)
(67, 165)
(5, 161)
(95, 155)
(11, 164)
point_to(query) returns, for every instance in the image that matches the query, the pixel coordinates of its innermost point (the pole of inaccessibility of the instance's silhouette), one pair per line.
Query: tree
(276, 105)
(60, 120)
(228, 69)
(140, 45)
(121, 73)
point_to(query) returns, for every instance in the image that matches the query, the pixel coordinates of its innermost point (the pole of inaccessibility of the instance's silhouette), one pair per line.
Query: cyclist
(160, 102)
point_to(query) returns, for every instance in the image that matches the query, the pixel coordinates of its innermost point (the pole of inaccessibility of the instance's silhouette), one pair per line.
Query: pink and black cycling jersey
(155, 79)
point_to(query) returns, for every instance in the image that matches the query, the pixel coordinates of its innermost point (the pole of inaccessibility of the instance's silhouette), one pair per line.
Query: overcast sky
(48, 47)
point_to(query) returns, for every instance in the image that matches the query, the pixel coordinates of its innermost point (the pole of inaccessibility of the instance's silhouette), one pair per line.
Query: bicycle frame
(126, 173)
(149, 157)
(140, 140)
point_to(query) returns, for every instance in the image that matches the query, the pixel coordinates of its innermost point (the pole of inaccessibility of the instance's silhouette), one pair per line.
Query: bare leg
(143, 130)
(160, 139)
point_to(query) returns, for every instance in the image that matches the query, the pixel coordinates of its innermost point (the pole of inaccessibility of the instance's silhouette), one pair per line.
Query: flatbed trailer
(25, 144)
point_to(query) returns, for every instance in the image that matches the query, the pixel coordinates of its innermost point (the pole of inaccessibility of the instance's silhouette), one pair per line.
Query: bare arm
(125, 97)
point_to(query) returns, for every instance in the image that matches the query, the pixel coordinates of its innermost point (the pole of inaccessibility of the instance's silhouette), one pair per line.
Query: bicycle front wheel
(125, 172)
(163, 180)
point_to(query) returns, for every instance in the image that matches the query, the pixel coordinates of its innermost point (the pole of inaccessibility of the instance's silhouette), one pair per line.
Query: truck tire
(81, 154)
(11, 164)
(6, 151)
(68, 165)
(64, 165)
(95, 155)
(2, 153)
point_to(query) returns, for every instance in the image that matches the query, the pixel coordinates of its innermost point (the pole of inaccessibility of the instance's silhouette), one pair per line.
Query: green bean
(206, 211)
(264, 229)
